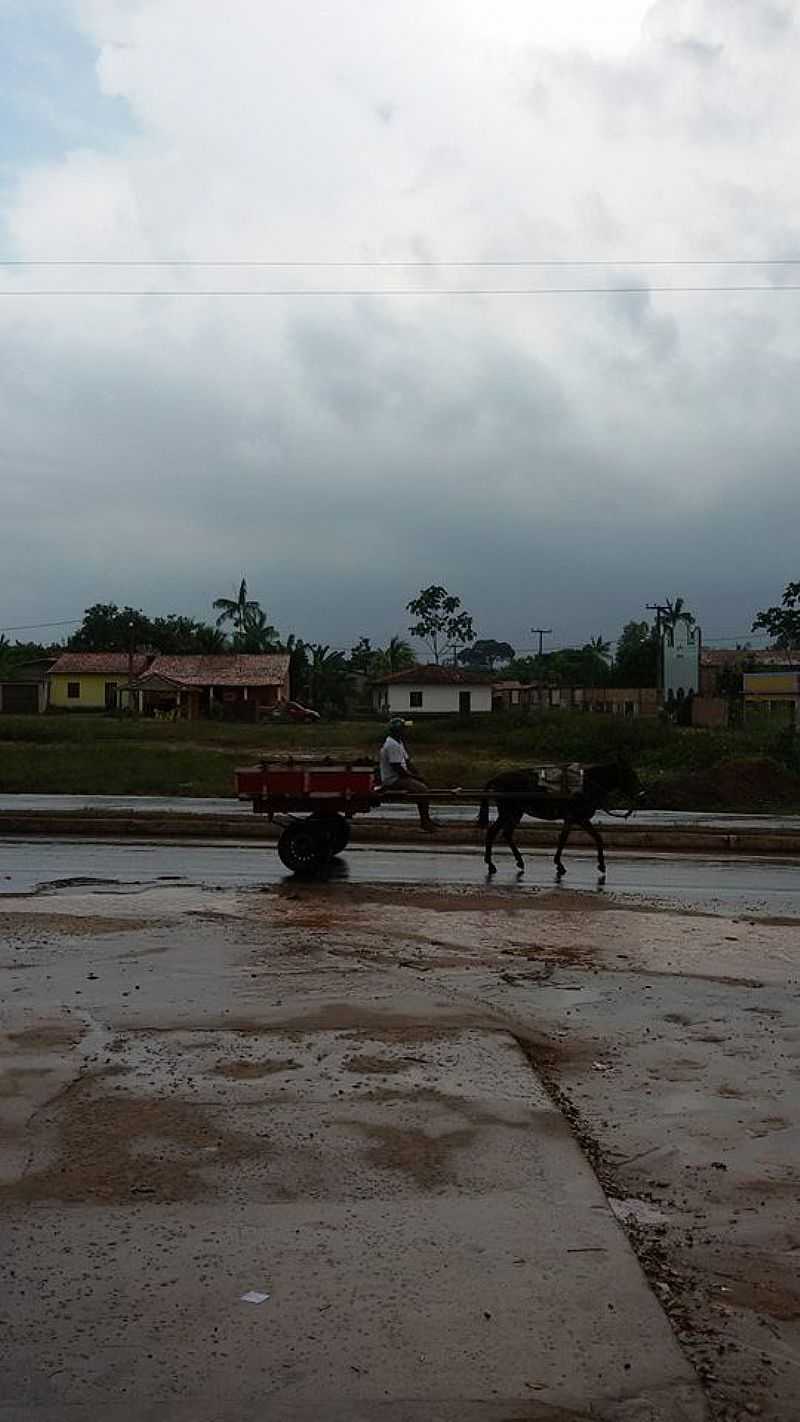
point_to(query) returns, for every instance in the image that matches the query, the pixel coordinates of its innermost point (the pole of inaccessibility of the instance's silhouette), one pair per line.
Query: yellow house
(93, 681)
(776, 692)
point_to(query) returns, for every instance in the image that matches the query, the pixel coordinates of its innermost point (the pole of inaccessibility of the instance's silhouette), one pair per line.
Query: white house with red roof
(433, 691)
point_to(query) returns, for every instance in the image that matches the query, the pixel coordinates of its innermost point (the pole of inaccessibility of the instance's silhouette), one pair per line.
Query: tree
(600, 648)
(636, 662)
(256, 634)
(395, 657)
(209, 640)
(299, 668)
(440, 621)
(363, 657)
(673, 613)
(108, 628)
(173, 634)
(485, 652)
(236, 609)
(328, 675)
(782, 623)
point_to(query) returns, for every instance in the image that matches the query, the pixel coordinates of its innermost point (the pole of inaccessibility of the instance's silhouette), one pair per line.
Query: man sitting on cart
(398, 773)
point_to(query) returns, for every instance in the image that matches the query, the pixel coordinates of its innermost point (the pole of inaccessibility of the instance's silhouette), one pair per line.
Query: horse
(600, 782)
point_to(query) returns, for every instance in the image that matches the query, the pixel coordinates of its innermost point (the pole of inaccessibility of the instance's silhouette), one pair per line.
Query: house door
(464, 702)
(111, 696)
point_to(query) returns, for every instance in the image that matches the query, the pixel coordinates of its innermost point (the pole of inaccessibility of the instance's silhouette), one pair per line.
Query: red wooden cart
(326, 792)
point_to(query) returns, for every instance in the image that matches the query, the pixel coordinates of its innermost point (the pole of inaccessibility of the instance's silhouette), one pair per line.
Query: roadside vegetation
(753, 767)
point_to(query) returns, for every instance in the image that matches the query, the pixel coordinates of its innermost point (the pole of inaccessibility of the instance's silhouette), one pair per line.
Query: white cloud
(576, 453)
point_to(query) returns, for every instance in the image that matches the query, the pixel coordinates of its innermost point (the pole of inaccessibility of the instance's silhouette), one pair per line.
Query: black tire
(339, 834)
(304, 848)
(336, 830)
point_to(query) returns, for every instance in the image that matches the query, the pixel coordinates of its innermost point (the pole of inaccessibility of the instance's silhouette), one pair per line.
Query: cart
(325, 792)
(315, 798)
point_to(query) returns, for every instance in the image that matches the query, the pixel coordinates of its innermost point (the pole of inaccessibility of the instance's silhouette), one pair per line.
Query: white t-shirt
(394, 761)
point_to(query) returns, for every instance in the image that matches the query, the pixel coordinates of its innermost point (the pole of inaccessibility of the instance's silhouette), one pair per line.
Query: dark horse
(526, 796)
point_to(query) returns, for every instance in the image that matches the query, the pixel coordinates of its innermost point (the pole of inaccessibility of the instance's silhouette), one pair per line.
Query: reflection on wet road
(751, 886)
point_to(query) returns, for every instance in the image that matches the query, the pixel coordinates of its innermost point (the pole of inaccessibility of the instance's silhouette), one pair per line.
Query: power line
(408, 291)
(415, 263)
(32, 626)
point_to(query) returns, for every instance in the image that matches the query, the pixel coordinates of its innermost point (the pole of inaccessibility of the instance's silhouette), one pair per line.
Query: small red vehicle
(325, 791)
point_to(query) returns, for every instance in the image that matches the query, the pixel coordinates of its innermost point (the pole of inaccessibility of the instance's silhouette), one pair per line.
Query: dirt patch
(119, 1150)
(445, 900)
(68, 925)
(763, 1296)
(426, 1159)
(15, 1080)
(250, 1071)
(46, 1035)
(379, 1066)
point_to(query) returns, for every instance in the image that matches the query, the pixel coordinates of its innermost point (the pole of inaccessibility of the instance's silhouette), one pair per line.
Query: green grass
(82, 754)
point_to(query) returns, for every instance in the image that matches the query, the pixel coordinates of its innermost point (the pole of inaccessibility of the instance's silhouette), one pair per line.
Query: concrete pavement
(204, 1101)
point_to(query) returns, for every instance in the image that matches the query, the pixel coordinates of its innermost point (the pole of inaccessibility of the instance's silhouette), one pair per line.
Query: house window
(73, 690)
(415, 700)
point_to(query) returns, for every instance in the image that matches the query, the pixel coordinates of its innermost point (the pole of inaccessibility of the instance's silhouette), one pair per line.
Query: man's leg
(410, 785)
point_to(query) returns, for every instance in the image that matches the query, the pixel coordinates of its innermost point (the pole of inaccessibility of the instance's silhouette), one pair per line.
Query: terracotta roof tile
(436, 676)
(223, 669)
(98, 664)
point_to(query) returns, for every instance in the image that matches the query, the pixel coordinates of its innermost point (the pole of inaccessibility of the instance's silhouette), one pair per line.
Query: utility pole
(130, 669)
(660, 611)
(542, 632)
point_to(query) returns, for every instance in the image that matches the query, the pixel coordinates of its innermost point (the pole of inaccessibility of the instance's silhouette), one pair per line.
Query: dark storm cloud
(562, 457)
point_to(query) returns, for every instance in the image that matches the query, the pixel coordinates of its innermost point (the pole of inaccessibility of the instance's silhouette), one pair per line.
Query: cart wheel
(336, 830)
(303, 848)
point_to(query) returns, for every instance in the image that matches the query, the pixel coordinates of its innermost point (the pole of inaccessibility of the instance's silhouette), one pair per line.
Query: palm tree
(256, 634)
(209, 640)
(236, 609)
(600, 648)
(399, 655)
(673, 613)
(327, 678)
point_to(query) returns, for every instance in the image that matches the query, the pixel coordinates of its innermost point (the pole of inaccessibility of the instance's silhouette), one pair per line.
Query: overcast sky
(556, 459)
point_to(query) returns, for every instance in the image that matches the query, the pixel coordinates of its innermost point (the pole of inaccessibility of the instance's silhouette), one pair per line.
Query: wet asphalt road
(192, 805)
(754, 887)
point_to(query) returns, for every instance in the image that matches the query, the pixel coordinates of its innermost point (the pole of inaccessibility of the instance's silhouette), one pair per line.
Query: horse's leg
(598, 839)
(566, 830)
(511, 824)
(491, 835)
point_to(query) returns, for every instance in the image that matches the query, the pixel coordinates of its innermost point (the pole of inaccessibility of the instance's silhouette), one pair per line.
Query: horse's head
(613, 777)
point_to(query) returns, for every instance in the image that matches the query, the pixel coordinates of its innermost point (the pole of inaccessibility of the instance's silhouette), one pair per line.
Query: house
(432, 691)
(233, 684)
(609, 700)
(623, 700)
(25, 688)
(92, 681)
(509, 695)
(717, 662)
(775, 692)
(240, 686)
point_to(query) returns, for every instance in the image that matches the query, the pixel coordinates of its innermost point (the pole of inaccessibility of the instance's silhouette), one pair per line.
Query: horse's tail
(483, 808)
